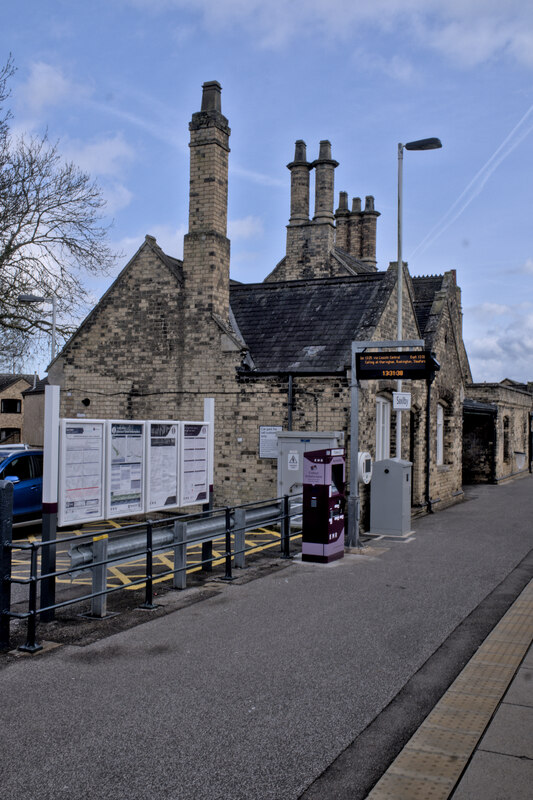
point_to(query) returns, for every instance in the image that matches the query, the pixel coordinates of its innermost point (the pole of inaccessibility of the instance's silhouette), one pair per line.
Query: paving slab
(510, 732)
(492, 776)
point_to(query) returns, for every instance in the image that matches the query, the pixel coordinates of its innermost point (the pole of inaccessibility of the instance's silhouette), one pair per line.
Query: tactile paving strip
(431, 763)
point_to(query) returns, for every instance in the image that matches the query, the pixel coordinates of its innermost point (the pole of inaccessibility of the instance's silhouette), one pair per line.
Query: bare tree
(51, 230)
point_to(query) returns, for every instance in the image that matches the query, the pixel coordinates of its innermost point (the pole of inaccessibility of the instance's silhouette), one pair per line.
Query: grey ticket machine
(323, 505)
(390, 497)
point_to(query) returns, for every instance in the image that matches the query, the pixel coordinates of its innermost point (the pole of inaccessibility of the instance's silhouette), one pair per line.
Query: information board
(81, 473)
(125, 467)
(193, 478)
(402, 365)
(268, 440)
(162, 453)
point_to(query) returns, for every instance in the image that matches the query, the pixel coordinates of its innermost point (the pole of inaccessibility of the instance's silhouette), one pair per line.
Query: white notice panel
(162, 464)
(194, 481)
(268, 440)
(81, 473)
(125, 468)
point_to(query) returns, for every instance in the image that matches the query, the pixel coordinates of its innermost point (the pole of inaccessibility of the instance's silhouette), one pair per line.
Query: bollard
(31, 646)
(239, 542)
(6, 522)
(180, 555)
(99, 576)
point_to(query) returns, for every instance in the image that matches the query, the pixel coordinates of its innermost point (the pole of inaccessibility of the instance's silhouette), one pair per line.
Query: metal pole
(6, 521)
(99, 576)
(286, 528)
(228, 576)
(50, 488)
(400, 291)
(54, 311)
(353, 499)
(148, 602)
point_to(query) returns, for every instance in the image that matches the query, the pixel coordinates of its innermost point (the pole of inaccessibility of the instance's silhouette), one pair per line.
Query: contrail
(476, 184)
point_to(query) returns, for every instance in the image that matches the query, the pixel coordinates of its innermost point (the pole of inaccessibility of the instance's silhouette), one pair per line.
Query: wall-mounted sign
(125, 468)
(401, 365)
(162, 454)
(401, 401)
(268, 440)
(194, 477)
(81, 474)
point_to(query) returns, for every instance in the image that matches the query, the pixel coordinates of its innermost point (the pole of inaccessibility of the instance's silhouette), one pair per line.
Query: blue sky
(116, 81)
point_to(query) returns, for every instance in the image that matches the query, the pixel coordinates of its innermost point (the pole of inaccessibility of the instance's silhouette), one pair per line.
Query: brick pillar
(342, 221)
(354, 228)
(206, 248)
(369, 225)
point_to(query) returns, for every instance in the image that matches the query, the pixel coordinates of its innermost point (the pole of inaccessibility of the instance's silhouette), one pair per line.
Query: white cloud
(499, 341)
(245, 228)
(467, 32)
(101, 157)
(47, 87)
(116, 196)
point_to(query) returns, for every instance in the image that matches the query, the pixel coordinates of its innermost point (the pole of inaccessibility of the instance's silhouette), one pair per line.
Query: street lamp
(420, 144)
(33, 298)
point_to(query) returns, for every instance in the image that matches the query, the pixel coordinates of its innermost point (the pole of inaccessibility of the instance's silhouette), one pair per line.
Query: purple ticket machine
(323, 505)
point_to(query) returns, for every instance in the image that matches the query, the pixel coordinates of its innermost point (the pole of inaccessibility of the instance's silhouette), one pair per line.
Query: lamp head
(424, 144)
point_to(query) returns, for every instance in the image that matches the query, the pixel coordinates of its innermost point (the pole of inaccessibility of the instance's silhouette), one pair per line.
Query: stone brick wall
(14, 392)
(514, 406)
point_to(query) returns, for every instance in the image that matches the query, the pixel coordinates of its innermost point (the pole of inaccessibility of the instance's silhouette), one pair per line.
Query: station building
(170, 332)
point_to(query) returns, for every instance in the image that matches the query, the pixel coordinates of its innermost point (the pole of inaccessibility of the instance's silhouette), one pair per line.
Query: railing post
(180, 555)
(228, 576)
(99, 576)
(31, 646)
(6, 522)
(286, 528)
(239, 537)
(148, 602)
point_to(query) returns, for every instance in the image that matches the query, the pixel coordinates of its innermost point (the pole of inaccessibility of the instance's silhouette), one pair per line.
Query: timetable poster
(194, 463)
(81, 483)
(125, 465)
(162, 464)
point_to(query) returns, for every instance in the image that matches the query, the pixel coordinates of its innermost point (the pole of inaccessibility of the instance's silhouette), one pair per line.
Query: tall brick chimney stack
(324, 183)
(354, 226)
(206, 249)
(299, 185)
(369, 219)
(342, 217)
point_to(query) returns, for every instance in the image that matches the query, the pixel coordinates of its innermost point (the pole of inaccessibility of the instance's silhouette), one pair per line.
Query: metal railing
(97, 552)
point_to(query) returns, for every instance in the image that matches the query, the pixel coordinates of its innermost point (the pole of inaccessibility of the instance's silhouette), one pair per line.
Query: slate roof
(6, 379)
(39, 387)
(307, 326)
(425, 289)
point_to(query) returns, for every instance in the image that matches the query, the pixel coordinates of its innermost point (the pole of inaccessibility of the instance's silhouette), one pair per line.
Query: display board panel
(81, 471)
(405, 365)
(125, 468)
(193, 478)
(162, 455)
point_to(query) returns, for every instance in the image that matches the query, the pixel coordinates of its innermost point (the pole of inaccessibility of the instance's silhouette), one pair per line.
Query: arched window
(382, 428)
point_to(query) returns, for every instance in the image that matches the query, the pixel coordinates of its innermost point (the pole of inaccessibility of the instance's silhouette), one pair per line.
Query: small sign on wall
(268, 441)
(401, 401)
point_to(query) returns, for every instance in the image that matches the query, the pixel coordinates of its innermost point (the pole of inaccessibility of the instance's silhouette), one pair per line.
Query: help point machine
(323, 505)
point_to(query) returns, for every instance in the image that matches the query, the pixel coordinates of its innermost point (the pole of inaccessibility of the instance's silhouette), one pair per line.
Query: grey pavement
(304, 683)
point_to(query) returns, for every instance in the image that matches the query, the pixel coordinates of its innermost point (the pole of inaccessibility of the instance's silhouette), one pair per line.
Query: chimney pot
(211, 96)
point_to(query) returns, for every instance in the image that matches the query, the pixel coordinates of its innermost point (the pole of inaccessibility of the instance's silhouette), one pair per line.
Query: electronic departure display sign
(399, 365)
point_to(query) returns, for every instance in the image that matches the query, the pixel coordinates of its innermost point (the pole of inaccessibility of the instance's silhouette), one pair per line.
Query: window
(440, 434)
(10, 435)
(20, 467)
(9, 406)
(382, 428)
(506, 448)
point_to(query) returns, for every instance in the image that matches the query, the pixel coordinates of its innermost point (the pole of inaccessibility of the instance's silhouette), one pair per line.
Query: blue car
(24, 469)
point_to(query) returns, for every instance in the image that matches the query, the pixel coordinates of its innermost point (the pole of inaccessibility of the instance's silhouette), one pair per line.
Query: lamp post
(33, 298)
(420, 144)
